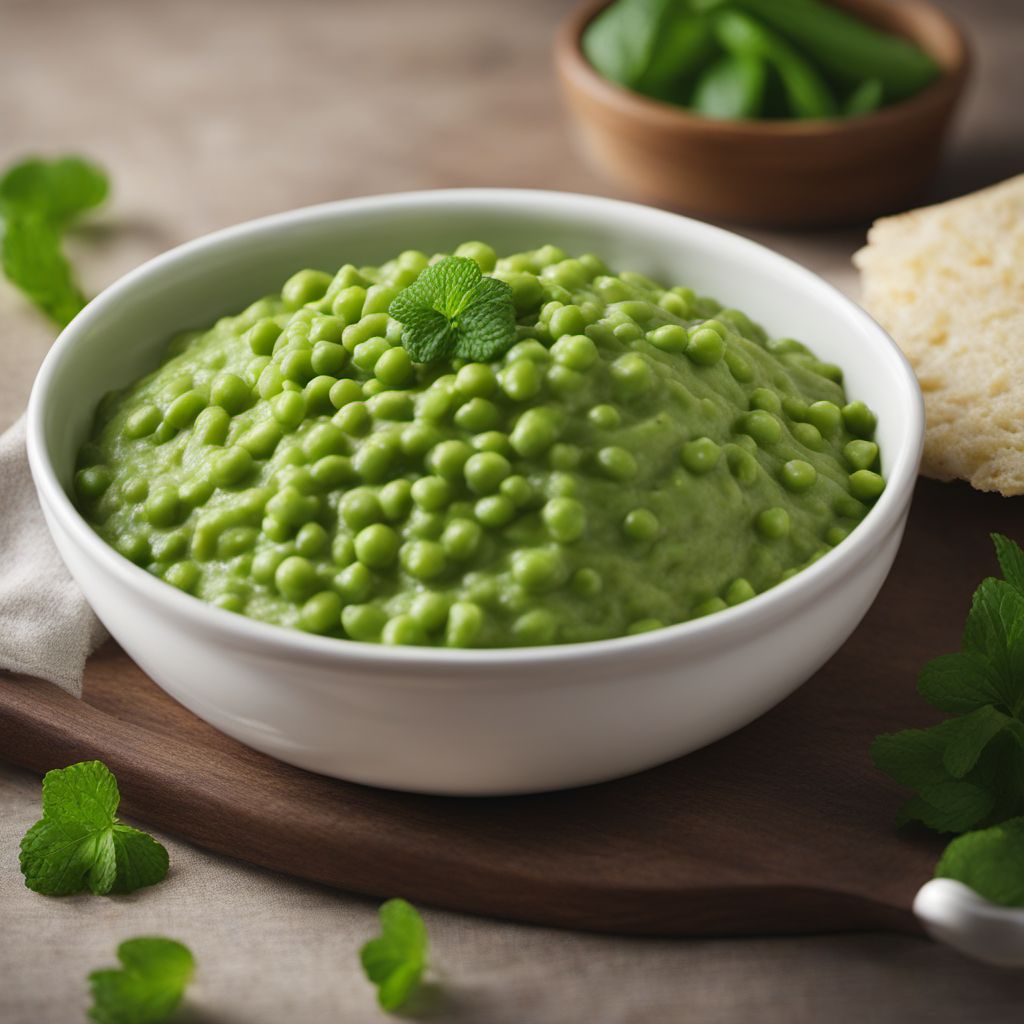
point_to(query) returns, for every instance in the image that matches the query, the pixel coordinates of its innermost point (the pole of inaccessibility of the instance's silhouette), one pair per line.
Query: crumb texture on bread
(947, 282)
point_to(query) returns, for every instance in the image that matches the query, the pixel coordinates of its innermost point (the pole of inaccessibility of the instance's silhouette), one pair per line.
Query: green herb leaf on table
(79, 843)
(451, 309)
(148, 987)
(968, 771)
(38, 199)
(395, 962)
(990, 861)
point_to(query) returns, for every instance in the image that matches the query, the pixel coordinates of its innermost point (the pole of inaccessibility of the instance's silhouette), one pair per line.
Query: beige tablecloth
(207, 113)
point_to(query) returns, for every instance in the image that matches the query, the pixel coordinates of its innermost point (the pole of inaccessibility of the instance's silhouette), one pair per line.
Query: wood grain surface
(783, 827)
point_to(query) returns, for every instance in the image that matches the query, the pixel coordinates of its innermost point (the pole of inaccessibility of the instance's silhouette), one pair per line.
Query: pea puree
(640, 456)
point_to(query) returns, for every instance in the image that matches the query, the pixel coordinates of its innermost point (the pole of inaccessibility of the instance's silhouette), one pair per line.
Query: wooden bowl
(779, 173)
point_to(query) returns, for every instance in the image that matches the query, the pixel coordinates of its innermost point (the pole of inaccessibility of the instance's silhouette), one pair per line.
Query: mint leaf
(149, 986)
(395, 962)
(958, 683)
(1011, 561)
(451, 309)
(55, 190)
(968, 771)
(38, 198)
(79, 843)
(32, 260)
(990, 861)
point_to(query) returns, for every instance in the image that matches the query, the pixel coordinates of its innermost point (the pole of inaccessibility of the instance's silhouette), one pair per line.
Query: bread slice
(947, 282)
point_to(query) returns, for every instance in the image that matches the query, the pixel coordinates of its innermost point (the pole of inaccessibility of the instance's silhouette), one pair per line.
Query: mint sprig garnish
(38, 200)
(79, 843)
(147, 988)
(395, 961)
(991, 862)
(969, 770)
(451, 309)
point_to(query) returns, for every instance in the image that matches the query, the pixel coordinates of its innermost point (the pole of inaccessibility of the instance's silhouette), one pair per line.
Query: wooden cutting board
(782, 827)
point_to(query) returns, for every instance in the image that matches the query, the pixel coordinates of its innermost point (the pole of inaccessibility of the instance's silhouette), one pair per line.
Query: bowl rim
(578, 72)
(765, 610)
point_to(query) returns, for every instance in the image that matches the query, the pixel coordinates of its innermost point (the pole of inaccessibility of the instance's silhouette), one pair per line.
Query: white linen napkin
(46, 627)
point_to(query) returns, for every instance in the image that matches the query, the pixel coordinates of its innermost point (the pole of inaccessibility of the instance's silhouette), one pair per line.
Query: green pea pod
(842, 45)
(732, 88)
(682, 47)
(864, 99)
(806, 90)
(620, 41)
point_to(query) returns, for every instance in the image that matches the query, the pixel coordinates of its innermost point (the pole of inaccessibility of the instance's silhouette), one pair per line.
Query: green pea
(492, 441)
(798, 475)
(538, 569)
(448, 459)
(367, 353)
(700, 455)
(763, 427)
(535, 431)
(261, 440)
(328, 357)
(374, 458)
(393, 406)
(360, 507)
(303, 287)
(163, 507)
(396, 499)
(236, 541)
(495, 510)
(705, 346)
(262, 336)
(354, 582)
(567, 320)
(403, 630)
(141, 422)
(271, 381)
(565, 519)
(740, 369)
(135, 489)
(575, 351)
(476, 380)
(393, 367)
(230, 467)
(826, 416)
(517, 489)
(430, 610)
(92, 481)
(587, 582)
(230, 392)
(184, 409)
(644, 626)
(296, 579)
(325, 439)
(604, 416)
(372, 326)
(617, 463)
(376, 546)
(481, 254)
(347, 305)
(534, 628)
(321, 613)
(265, 563)
(709, 607)
(669, 337)
(485, 471)
(461, 539)
(861, 454)
(631, 375)
(742, 465)
(291, 507)
(521, 380)
(465, 621)
(423, 559)
(354, 418)
(378, 298)
(859, 420)
(326, 330)
(288, 408)
(344, 391)
(836, 535)
(418, 438)
(477, 414)
(866, 485)
(641, 524)
(764, 398)
(311, 540)
(363, 621)
(195, 492)
(808, 435)
(435, 403)
(530, 350)
(184, 576)
(739, 591)
(564, 382)
(431, 493)
(773, 523)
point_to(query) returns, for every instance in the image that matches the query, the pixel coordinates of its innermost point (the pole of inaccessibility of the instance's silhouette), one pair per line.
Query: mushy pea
(639, 456)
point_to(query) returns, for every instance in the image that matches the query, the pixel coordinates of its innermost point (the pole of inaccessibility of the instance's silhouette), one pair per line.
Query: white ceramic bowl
(455, 721)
